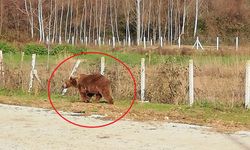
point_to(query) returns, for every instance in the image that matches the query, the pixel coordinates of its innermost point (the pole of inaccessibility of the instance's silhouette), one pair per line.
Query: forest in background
(60, 20)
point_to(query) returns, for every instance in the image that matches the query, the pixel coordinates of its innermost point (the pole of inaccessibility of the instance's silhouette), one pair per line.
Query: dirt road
(34, 128)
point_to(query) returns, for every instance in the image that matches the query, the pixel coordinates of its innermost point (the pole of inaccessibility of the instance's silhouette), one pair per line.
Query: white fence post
(102, 65)
(191, 82)
(143, 79)
(247, 84)
(72, 73)
(217, 43)
(33, 63)
(237, 43)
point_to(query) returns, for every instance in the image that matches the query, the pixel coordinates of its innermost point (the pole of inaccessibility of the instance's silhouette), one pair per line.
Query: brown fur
(90, 85)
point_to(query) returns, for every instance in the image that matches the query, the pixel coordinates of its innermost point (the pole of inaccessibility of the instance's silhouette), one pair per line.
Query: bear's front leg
(84, 96)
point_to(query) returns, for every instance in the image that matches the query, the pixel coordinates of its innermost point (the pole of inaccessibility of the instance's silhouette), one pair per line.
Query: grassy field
(219, 86)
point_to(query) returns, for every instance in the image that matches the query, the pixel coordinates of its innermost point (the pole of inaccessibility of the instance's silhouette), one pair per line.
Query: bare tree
(61, 20)
(196, 17)
(40, 20)
(66, 24)
(29, 12)
(1, 16)
(138, 14)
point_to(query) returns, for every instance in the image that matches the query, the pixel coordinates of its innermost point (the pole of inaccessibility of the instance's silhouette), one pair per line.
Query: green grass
(134, 58)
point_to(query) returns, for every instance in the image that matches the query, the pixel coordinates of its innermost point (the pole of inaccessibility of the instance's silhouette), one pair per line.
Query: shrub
(6, 47)
(38, 49)
(66, 48)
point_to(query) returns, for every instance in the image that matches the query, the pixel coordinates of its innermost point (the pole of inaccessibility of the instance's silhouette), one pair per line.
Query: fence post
(237, 43)
(217, 43)
(102, 65)
(151, 42)
(33, 63)
(247, 86)
(72, 73)
(143, 79)
(191, 82)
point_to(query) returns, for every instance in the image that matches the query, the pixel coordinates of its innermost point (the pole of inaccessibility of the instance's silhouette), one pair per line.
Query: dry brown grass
(165, 83)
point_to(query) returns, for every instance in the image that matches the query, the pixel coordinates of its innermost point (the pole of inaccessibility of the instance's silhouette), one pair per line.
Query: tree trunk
(138, 28)
(196, 17)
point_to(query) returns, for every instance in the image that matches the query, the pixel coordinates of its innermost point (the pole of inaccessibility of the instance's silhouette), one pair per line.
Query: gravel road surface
(26, 128)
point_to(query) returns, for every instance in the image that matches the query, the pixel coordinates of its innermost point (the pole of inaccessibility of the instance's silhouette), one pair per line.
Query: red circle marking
(95, 53)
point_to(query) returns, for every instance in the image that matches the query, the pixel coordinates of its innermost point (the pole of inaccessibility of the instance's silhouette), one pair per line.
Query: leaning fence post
(247, 86)
(143, 79)
(102, 65)
(72, 73)
(33, 63)
(191, 82)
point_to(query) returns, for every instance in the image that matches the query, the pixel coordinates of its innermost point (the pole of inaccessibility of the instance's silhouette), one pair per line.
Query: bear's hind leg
(107, 96)
(98, 97)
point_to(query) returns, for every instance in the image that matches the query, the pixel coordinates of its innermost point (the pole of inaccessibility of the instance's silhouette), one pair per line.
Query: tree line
(60, 21)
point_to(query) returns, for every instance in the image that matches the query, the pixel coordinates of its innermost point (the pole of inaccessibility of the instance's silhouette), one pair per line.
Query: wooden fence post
(102, 65)
(191, 82)
(247, 86)
(72, 73)
(143, 79)
(33, 63)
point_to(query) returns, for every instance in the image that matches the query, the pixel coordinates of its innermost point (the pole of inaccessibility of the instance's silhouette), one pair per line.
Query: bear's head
(72, 81)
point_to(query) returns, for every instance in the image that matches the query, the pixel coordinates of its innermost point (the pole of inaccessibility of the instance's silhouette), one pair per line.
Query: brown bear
(90, 85)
